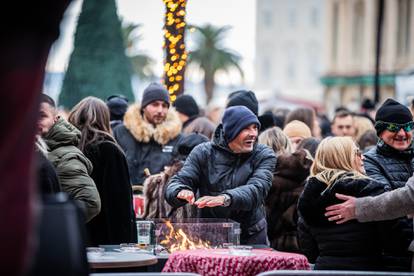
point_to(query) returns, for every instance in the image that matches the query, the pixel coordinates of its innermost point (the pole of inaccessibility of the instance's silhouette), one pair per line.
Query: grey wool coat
(389, 205)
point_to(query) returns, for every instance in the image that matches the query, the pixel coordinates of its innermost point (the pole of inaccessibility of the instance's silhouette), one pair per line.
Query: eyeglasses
(407, 127)
(358, 152)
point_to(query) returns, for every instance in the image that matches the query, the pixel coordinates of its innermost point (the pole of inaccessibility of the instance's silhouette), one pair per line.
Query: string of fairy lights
(174, 46)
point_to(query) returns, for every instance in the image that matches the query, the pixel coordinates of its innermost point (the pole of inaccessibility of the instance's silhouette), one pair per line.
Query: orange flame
(178, 240)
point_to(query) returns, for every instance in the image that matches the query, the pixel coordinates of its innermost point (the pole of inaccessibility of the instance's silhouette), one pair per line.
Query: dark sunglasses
(395, 127)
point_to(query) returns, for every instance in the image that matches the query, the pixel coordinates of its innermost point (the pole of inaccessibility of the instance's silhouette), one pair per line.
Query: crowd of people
(294, 180)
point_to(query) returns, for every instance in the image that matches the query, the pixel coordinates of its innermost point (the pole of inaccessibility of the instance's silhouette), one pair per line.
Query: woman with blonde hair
(338, 168)
(115, 223)
(361, 125)
(276, 140)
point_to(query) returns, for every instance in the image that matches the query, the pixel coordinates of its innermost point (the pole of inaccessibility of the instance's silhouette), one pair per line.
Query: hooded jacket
(213, 169)
(72, 167)
(146, 146)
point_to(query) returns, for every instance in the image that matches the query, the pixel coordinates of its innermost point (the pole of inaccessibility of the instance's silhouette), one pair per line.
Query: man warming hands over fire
(232, 175)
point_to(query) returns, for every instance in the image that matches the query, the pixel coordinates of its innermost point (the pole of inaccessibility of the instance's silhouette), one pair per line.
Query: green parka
(72, 167)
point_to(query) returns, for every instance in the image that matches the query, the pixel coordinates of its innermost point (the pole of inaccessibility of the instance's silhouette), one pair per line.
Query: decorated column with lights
(175, 54)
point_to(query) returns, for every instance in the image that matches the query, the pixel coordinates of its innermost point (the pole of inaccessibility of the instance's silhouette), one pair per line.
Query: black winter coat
(213, 169)
(115, 223)
(348, 246)
(393, 168)
(146, 146)
(389, 166)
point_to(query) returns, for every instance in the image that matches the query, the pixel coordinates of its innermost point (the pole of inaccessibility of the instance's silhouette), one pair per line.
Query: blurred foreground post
(27, 39)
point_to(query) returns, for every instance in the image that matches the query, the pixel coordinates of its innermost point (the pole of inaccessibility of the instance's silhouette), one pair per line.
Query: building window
(292, 16)
(314, 17)
(290, 61)
(314, 61)
(335, 31)
(266, 69)
(404, 27)
(267, 18)
(291, 70)
(358, 30)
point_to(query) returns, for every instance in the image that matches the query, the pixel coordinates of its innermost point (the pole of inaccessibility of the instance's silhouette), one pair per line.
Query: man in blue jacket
(232, 175)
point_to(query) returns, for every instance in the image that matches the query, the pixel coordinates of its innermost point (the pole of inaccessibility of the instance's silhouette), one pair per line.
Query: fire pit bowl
(196, 233)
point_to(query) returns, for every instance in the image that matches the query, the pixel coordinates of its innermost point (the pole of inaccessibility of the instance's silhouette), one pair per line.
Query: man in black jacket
(391, 162)
(149, 133)
(232, 175)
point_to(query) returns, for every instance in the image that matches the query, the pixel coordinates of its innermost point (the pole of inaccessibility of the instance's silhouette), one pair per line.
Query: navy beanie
(245, 98)
(187, 105)
(237, 118)
(392, 111)
(155, 92)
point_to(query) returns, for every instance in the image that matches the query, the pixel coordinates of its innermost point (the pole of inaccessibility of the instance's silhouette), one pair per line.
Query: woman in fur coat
(115, 223)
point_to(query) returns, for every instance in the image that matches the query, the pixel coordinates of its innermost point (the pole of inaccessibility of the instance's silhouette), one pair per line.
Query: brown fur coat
(281, 203)
(155, 205)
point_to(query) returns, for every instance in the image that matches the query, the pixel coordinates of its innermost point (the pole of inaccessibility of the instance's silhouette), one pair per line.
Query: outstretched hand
(186, 195)
(210, 201)
(342, 212)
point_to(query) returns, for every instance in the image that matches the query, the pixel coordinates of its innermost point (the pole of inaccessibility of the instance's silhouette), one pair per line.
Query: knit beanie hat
(297, 129)
(392, 111)
(117, 105)
(187, 143)
(155, 92)
(186, 104)
(245, 98)
(267, 120)
(235, 119)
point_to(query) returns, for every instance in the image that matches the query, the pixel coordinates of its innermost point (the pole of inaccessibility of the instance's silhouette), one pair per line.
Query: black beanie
(368, 104)
(244, 98)
(392, 111)
(267, 120)
(155, 92)
(117, 105)
(237, 118)
(188, 143)
(187, 105)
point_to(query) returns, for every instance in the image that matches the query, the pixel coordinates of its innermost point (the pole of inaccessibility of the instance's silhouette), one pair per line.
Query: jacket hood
(61, 134)
(144, 131)
(219, 140)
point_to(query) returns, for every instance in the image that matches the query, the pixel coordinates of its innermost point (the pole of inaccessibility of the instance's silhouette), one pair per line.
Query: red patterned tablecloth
(220, 262)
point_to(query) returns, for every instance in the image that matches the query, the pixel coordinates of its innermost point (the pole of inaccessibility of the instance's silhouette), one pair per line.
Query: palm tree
(141, 63)
(210, 56)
